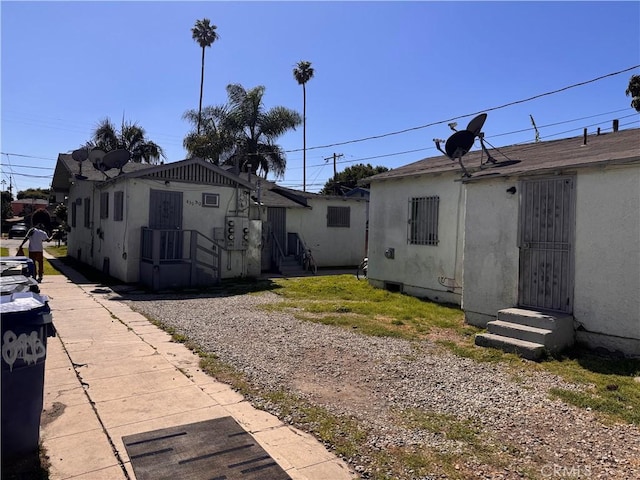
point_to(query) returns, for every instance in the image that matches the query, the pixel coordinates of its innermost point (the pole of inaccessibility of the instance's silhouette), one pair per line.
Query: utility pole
(335, 157)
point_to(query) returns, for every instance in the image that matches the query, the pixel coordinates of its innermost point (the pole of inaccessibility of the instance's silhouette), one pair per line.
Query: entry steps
(290, 267)
(528, 333)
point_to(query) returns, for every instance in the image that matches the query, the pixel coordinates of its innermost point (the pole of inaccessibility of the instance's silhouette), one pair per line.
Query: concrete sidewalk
(110, 373)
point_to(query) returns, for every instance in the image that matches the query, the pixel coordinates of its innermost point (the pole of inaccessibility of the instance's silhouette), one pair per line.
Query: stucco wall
(491, 254)
(416, 267)
(331, 246)
(120, 241)
(607, 267)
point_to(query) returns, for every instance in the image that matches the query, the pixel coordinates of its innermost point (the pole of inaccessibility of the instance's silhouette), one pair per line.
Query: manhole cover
(217, 449)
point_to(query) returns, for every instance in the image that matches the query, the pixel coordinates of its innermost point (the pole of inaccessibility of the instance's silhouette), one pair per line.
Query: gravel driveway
(384, 382)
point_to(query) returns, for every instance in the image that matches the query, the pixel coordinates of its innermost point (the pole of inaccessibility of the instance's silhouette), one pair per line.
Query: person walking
(36, 236)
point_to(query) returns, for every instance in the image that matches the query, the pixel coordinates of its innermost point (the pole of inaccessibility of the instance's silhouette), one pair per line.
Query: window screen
(104, 205)
(423, 220)
(338, 216)
(118, 206)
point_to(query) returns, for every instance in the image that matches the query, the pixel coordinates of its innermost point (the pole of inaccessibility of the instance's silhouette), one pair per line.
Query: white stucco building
(191, 223)
(556, 229)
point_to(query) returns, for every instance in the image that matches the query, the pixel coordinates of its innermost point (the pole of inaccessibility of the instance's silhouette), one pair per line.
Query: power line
(374, 137)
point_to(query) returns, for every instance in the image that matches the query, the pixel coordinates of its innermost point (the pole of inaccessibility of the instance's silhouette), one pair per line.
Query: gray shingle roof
(616, 147)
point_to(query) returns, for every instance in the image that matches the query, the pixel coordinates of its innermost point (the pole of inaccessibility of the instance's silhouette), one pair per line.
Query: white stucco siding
(491, 254)
(331, 246)
(79, 238)
(607, 251)
(416, 267)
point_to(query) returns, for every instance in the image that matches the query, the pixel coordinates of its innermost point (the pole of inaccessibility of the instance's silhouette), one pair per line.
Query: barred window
(339, 217)
(104, 205)
(87, 212)
(423, 220)
(118, 206)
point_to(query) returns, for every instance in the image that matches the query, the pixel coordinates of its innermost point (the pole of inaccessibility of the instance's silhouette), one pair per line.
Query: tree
(243, 133)
(214, 138)
(634, 90)
(130, 137)
(7, 198)
(37, 193)
(205, 34)
(303, 72)
(255, 131)
(349, 178)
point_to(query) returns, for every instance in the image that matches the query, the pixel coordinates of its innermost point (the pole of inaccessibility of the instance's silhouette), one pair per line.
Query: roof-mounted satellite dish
(459, 144)
(96, 157)
(476, 124)
(80, 155)
(116, 159)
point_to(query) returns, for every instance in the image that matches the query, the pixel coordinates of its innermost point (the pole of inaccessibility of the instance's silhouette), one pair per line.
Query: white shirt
(35, 240)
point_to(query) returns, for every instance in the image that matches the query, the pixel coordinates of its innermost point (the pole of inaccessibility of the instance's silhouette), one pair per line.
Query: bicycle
(362, 268)
(309, 263)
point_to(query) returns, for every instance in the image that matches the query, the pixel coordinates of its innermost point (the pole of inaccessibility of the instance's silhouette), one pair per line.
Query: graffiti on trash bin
(25, 347)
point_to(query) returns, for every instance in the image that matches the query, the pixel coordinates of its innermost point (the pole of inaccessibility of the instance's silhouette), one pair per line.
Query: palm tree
(303, 72)
(214, 138)
(130, 137)
(634, 90)
(255, 131)
(205, 34)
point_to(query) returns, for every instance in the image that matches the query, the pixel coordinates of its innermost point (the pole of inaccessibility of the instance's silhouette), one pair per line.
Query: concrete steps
(289, 267)
(528, 333)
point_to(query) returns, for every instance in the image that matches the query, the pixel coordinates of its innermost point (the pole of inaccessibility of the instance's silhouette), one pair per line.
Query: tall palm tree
(303, 72)
(256, 130)
(131, 137)
(205, 34)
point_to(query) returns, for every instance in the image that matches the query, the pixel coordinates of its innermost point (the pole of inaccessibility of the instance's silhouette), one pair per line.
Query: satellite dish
(459, 144)
(96, 156)
(476, 124)
(116, 158)
(80, 155)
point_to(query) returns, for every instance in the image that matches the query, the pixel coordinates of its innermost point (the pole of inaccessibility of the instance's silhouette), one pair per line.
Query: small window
(87, 212)
(74, 213)
(423, 220)
(118, 206)
(210, 200)
(104, 205)
(339, 217)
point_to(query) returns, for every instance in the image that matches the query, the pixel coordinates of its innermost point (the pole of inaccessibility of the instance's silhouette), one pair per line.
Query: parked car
(19, 230)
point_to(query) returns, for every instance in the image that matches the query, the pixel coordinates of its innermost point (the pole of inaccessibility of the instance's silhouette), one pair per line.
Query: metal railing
(198, 254)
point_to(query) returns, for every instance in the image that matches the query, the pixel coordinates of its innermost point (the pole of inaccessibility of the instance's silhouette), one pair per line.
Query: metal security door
(277, 217)
(165, 213)
(546, 244)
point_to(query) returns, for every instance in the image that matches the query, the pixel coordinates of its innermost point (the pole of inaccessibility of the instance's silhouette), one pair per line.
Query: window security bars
(423, 220)
(339, 217)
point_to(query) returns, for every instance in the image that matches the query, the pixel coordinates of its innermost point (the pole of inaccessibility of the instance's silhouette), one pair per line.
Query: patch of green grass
(610, 385)
(343, 301)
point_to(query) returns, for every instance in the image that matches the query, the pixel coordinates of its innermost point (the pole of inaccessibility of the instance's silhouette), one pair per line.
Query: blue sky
(380, 68)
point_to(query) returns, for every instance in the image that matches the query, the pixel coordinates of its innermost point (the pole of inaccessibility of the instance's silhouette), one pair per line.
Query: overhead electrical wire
(516, 102)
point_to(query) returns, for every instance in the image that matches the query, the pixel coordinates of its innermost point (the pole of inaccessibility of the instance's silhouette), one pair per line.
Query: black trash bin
(26, 324)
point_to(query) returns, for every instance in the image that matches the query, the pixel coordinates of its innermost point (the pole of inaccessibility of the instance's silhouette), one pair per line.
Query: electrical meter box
(236, 233)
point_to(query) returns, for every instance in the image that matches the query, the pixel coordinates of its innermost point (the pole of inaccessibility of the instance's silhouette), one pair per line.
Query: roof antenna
(533, 122)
